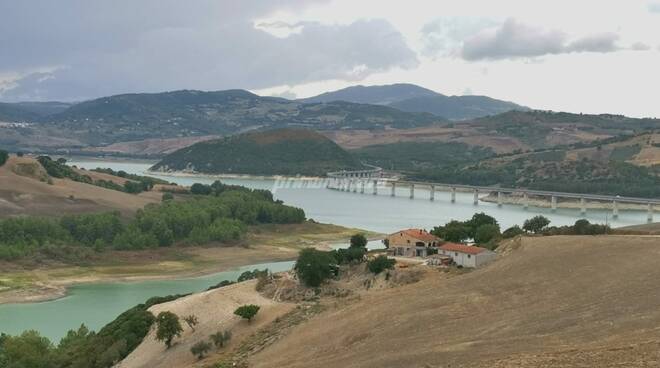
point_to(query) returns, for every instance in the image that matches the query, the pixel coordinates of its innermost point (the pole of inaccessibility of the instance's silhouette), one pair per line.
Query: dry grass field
(25, 190)
(546, 302)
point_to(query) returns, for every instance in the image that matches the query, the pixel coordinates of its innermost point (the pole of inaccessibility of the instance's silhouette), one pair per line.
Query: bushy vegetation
(136, 184)
(247, 311)
(315, 266)
(358, 241)
(380, 264)
(82, 347)
(138, 178)
(536, 224)
(220, 218)
(349, 255)
(4, 156)
(481, 228)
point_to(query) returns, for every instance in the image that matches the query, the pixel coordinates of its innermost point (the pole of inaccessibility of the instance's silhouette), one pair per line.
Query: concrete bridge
(360, 183)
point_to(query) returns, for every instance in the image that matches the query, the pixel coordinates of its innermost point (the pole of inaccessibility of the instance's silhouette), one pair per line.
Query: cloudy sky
(580, 56)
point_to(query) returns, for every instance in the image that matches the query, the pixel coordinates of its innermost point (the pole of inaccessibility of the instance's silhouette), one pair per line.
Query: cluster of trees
(482, 228)
(134, 177)
(313, 266)
(485, 231)
(82, 347)
(200, 220)
(4, 156)
(59, 169)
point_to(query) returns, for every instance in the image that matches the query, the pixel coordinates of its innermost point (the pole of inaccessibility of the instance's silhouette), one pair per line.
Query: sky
(579, 56)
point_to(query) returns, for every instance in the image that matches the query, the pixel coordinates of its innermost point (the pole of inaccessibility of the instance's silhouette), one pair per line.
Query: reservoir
(98, 303)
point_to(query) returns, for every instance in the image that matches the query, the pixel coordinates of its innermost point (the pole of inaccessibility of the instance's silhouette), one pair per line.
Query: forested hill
(273, 152)
(134, 117)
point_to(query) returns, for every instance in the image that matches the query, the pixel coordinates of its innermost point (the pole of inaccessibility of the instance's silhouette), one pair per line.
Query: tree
(453, 231)
(512, 232)
(168, 327)
(487, 232)
(191, 321)
(358, 241)
(314, 266)
(536, 224)
(478, 220)
(247, 311)
(220, 338)
(200, 189)
(167, 197)
(380, 264)
(29, 350)
(200, 349)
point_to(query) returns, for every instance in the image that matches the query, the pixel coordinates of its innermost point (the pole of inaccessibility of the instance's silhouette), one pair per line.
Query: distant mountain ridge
(288, 151)
(413, 98)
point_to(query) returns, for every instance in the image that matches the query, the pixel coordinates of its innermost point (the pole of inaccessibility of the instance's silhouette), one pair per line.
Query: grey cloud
(640, 46)
(604, 42)
(514, 39)
(106, 47)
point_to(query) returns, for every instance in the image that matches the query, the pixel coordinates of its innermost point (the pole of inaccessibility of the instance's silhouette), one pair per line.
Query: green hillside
(273, 152)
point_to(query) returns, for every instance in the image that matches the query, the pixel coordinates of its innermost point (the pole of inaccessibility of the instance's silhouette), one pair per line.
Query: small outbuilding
(467, 255)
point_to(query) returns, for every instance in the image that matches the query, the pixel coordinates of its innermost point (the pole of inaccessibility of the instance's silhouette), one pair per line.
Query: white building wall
(469, 260)
(484, 257)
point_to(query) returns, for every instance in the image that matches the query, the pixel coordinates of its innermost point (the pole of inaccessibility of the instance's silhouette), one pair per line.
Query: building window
(469, 256)
(456, 254)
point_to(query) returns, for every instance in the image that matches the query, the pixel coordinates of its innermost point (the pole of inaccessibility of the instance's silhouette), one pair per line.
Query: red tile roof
(468, 249)
(420, 234)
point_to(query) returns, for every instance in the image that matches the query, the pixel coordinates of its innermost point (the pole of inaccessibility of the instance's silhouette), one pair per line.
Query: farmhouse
(412, 243)
(466, 255)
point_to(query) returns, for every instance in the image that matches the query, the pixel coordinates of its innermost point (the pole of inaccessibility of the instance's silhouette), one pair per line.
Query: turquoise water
(97, 304)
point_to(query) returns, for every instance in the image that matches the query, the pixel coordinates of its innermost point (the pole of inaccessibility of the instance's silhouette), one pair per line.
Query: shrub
(380, 264)
(200, 349)
(353, 254)
(167, 197)
(191, 321)
(247, 311)
(512, 232)
(4, 156)
(221, 338)
(314, 266)
(200, 189)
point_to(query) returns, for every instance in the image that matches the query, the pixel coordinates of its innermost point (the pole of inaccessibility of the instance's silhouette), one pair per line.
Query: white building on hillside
(466, 255)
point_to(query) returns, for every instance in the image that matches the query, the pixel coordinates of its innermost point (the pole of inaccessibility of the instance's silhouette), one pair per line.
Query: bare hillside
(26, 189)
(547, 302)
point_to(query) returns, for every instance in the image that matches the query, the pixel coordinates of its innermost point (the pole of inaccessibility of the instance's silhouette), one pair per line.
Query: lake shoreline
(276, 243)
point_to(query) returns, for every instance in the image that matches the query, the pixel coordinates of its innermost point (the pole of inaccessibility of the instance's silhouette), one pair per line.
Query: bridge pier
(615, 210)
(525, 200)
(499, 199)
(355, 185)
(476, 197)
(583, 206)
(553, 204)
(453, 195)
(393, 189)
(375, 187)
(432, 194)
(649, 215)
(361, 186)
(412, 191)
